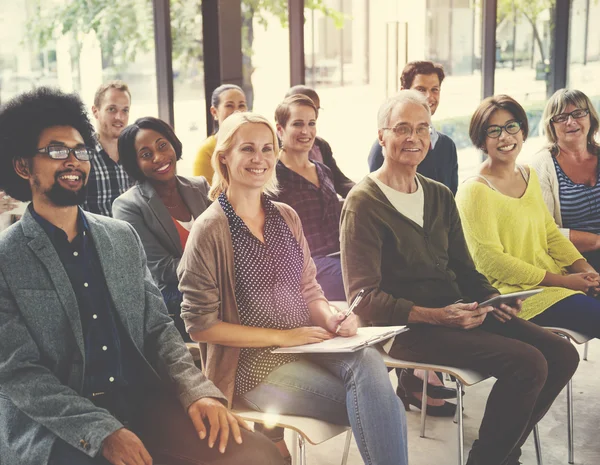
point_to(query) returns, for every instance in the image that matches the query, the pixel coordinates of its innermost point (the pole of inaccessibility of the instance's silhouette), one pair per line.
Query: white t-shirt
(410, 205)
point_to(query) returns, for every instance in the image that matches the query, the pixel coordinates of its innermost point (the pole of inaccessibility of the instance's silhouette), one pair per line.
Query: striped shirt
(107, 181)
(579, 204)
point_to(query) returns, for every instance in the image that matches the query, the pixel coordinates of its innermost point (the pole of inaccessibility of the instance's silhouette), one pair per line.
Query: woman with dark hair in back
(225, 100)
(161, 206)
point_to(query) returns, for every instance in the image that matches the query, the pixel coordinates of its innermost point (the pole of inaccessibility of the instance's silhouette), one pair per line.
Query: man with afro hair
(92, 369)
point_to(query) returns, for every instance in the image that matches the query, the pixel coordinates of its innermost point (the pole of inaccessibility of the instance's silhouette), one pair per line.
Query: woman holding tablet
(513, 238)
(248, 284)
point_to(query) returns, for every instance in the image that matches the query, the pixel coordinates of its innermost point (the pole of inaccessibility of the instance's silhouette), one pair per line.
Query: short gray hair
(402, 97)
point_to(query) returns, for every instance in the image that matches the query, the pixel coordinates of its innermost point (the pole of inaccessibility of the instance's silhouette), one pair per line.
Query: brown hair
(303, 90)
(116, 84)
(485, 110)
(557, 104)
(413, 68)
(282, 112)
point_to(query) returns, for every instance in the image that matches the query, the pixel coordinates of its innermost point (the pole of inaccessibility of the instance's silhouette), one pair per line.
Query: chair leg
(585, 351)
(459, 407)
(538, 446)
(347, 447)
(424, 403)
(570, 420)
(301, 450)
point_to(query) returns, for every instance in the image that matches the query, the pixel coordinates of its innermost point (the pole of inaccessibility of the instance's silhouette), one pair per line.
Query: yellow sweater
(514, 242)
(202, 166)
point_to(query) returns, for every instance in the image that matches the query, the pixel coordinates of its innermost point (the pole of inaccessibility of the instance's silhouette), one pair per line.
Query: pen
(353, 305)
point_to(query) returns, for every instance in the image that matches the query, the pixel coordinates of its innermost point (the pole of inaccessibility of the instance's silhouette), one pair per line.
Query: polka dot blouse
(267, 288)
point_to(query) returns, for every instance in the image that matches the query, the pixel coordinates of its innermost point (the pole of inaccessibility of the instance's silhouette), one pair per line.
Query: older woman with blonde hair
(568, 169)
(248, 284)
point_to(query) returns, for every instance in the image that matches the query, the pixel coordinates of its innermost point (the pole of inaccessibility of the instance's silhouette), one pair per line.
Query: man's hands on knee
(222, 422)
(123, 447)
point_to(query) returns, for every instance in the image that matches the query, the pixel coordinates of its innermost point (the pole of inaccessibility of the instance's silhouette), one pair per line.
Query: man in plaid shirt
(107, 179)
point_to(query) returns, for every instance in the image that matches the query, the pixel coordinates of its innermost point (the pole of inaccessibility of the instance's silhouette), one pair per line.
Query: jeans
(173, 297)
(171, 438)
(329, 277)
(577, 312)
(531, 366)
(347, 389)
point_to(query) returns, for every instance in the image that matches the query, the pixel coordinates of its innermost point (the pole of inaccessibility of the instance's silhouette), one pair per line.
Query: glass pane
(52, 43)
(353, 83)
(188, 80)
(523, 61)
(584, 49)
(266, 55)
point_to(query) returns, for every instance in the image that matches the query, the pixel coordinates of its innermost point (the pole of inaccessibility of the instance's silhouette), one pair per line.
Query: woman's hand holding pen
(348, 326)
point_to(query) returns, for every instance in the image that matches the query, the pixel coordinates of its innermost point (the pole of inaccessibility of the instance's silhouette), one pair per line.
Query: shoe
(411, 383)
(448, 409)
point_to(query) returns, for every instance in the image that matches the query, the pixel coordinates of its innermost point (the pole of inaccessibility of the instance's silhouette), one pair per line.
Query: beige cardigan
(544, 167)
(207, 279)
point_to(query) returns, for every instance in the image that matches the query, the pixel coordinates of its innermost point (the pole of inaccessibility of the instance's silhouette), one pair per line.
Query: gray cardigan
(42, 361)
(141, 207)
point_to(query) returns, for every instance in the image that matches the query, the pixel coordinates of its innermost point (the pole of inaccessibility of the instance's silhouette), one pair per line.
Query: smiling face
(230, 101)
(300, 131)
(251, 159)
(572, 131)
(156, 156)
(429, 85)
(113, 113)
(59, 182)
(508, 146)
(409, 149)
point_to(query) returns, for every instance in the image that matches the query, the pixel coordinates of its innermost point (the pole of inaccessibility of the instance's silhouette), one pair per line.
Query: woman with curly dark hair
(161, 206)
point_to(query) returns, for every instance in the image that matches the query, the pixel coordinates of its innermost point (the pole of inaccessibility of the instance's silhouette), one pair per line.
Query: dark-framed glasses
(60, 152)
(407, 130)
(494, 131)
(575, 114)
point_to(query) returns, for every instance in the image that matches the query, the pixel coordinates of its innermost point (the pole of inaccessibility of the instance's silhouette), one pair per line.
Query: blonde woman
(568, 170)
(248, 285)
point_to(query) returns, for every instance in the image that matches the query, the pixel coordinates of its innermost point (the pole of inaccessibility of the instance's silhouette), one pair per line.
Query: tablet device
(509, 298)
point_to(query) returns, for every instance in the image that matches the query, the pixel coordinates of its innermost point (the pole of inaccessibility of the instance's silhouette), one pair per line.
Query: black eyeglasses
(575, 114)
(60, 152)
(495, 131)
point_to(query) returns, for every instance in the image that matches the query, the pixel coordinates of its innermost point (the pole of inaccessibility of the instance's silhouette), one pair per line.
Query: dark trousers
(577, 312)
(329, 277)
(171, 439)
(531, 365)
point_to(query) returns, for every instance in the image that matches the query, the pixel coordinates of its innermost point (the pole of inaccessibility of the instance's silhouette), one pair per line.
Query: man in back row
(441, 162)
(92, 369)
(107, 178)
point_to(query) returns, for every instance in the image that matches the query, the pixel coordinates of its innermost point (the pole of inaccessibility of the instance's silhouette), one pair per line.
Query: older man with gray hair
(402, 241)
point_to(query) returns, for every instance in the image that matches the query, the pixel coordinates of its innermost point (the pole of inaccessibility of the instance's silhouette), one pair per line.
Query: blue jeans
(348, 389)
(329, 277)
(577, 312)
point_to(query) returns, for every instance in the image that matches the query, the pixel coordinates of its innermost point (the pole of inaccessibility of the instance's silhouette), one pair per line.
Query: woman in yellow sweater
(513, 238)
(225, 100)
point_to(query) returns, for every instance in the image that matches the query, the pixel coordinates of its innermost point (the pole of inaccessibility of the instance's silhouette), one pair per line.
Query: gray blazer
(42, 360)
(141, 207)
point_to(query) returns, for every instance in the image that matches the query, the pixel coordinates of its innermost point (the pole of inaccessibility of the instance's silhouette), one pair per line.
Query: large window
(524, 52)
(584, 49)
(356, 50)
(189, 103)
(52, 43)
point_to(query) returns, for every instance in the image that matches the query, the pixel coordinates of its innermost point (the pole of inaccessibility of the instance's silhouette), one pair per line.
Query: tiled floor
(440, 444)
